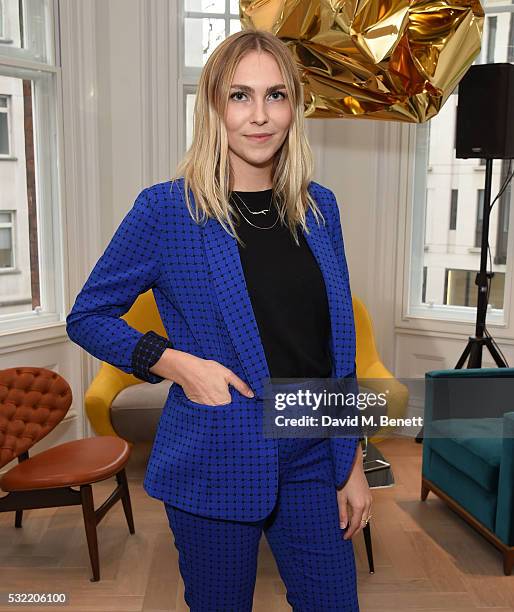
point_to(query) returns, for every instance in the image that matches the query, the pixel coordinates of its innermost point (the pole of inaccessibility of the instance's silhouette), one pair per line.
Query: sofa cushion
(473, 446)
(468, 494)
(136, 410)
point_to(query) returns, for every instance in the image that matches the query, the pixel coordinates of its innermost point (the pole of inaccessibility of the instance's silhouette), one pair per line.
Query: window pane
(234, 7)
(25, 29)
(201, 37)
(190, 105)
(4, 134)
(497, 290)
(453, 209)
(479, 219)
(461, 290)
(459, 285)
(498, 35)
(6, 252)
(205, 6)
(492, 22)
(235, 26)
(29, 241)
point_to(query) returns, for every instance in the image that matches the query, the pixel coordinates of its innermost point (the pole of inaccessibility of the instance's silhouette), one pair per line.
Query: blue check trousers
(218, 557)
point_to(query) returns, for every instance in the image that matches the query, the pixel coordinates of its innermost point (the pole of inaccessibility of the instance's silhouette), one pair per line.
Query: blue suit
(207, 460)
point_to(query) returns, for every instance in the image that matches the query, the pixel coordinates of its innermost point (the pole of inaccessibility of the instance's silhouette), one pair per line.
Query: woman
(245, 257)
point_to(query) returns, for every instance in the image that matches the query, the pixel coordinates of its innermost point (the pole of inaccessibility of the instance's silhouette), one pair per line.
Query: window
(500, 256)
(458, 285)
(503, 207)
(30, 247)
(206, 24)
(27, 29)
(4, 126)
(442, 181)
(492, 22)
(453, 209)
(189, 106)
(460, 288)
(424, 288)
(479, 217)
(510, 42)
(6, 240)
(2, 20)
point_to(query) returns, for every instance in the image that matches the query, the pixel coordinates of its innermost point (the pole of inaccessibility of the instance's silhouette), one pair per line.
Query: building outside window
(453, 209)
(31, 279)
(479, 217)
(2, 20)
(443, 267)
(6, 239)
(492, 22)
(4, 126)
(460, 288)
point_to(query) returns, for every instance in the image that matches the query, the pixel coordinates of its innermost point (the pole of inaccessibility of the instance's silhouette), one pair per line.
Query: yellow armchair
(110, 381)
(369, 366)
(144, 316)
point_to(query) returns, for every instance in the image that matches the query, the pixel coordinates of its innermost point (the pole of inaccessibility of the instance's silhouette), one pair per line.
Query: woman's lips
(260, 138)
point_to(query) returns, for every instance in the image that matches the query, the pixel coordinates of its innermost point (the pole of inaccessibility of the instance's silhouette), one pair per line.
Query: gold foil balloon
(374, 59)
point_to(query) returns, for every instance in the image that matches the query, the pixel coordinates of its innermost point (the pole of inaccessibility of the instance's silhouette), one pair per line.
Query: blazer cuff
(147, 353)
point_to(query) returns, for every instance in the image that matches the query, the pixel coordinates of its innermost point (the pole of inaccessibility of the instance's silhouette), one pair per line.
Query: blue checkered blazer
(209, 460)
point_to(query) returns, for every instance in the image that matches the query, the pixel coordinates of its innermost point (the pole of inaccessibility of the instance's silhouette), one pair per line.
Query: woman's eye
(242, 93)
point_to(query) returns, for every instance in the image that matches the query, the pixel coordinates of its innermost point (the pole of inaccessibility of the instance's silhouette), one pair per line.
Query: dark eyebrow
(251, 90)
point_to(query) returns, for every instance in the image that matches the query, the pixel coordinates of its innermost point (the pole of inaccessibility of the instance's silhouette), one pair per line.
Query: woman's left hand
(354, 498)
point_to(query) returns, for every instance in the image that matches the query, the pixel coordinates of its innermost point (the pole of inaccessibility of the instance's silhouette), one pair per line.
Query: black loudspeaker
(485, 112)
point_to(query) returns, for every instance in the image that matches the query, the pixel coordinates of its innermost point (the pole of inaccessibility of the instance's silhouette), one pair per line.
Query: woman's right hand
(204, 381)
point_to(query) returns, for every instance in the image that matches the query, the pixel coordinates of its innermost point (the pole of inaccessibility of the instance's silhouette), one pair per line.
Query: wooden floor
(426, 557)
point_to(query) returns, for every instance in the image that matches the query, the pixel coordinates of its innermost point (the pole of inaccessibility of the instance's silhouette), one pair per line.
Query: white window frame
(48, 149)
(414, 147)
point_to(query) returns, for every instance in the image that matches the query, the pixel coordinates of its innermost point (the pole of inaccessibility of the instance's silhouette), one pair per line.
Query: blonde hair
(206, 165)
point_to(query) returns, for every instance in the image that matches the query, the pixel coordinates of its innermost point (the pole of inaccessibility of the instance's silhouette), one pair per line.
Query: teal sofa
(468, 449)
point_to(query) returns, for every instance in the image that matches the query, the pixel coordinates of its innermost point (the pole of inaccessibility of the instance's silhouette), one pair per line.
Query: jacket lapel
(229, 283)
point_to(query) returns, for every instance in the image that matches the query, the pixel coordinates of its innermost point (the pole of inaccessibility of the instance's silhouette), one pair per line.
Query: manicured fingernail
(250, 393)
(343, 525)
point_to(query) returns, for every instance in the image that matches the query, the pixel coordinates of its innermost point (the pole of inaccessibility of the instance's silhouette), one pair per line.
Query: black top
(286, 289)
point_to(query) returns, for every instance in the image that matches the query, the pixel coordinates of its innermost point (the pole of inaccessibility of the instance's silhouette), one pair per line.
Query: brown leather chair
(32, 402)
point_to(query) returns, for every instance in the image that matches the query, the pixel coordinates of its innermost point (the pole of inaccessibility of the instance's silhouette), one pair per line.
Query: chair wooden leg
(88, 510)
(424, 490)
(366, 530)
(18, 518)
(121, 479)
(508, 562)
